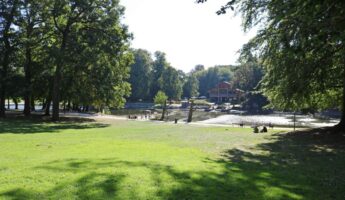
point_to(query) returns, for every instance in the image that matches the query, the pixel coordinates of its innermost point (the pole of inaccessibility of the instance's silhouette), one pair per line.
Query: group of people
(263, 129)
(141, 116)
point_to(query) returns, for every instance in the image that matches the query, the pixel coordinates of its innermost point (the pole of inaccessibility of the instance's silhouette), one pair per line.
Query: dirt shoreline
(100, 117)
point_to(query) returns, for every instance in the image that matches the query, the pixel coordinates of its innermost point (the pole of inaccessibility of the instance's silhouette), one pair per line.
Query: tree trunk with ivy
(190, 114)
(164, 110)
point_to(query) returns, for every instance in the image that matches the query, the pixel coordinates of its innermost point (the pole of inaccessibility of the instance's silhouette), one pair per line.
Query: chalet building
(223, 92)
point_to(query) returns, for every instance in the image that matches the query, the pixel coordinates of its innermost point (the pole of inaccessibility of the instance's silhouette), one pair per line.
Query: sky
(189, 33)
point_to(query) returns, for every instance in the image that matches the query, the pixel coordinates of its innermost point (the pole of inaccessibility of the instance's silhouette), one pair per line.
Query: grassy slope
(142, 160)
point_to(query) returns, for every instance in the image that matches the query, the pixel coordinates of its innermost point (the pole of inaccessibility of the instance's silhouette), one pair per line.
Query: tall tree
(159, 65)
(140, 75)
(8, 13)
(78, 47)
(66, 15)
(302, 47)
(191, 87)
(171, 83)
(98, 25)
(247, 76)
(31, 23)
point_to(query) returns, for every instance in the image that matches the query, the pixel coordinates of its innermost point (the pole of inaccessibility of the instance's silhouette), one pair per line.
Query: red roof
(223, 84)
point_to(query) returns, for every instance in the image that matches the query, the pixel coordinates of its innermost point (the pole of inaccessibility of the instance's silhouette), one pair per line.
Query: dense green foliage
(68, 51)
(191, 87)
(76, 54)
(150, 76)
(211, 77)
(301, 45)
(160, 98)
(247, 76)
(140, 76)
(139, 160)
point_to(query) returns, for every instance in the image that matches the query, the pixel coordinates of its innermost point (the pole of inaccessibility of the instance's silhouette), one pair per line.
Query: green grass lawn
(144, 160)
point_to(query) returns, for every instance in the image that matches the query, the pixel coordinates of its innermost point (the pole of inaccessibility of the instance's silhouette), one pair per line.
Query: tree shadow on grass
(39, 124)
(299, 165)
(306, 164)
(89, 186)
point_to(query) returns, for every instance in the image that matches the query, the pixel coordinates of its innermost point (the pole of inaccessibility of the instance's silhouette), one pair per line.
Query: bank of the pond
(202, 117)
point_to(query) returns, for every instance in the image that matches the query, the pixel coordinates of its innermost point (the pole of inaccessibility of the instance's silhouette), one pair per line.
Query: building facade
(223, 92)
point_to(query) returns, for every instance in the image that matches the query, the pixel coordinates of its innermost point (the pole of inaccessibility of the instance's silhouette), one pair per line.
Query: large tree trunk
(48, 104)
(27, 109)
(28, 89)
(340, 128)
(48, 100)
(2, 103)
(56, 92)
(57, 78)
(69, 105)
(164, 110)
(32, 102)
(15, 101)
(44, 103)
(191, 109)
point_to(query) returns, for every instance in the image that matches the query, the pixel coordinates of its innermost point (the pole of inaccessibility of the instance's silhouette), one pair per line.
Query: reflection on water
(280, 120)
(21, 107)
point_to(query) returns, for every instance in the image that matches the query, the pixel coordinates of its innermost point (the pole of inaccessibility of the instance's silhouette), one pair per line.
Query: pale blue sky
(187, 32)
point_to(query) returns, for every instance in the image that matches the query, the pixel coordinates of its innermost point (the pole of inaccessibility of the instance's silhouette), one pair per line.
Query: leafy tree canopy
(160, 98)
(301, 45)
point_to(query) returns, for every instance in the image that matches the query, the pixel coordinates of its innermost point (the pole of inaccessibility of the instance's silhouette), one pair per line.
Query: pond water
(281, 119)
(275, 119)
(21, 106)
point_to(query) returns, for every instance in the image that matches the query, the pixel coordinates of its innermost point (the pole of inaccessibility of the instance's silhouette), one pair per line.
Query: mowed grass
(118, 159)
